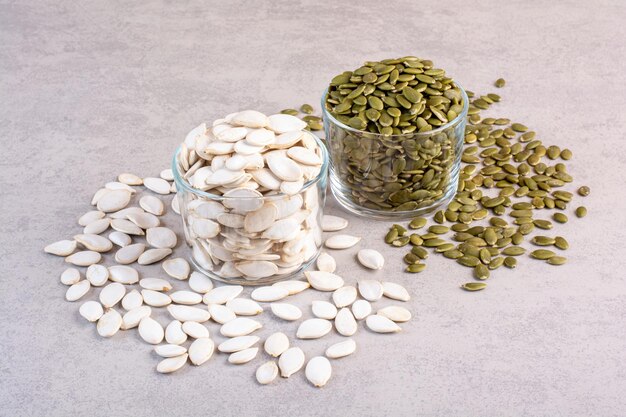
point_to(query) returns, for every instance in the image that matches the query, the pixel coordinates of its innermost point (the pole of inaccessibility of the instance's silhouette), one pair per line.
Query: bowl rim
(453, 122)
(183, 184)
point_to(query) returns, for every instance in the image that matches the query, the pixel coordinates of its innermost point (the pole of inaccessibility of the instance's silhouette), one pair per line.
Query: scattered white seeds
(70, 276)
(109, 323)
(91, 310)
(84, 258)
(129, 254)
(132, 318)
(61, 248)
(361, 309)
(371, 259)
(370, 289)
(220, 295)
(155, 284)
(153, 255)
(161, 237)
(112, 294)
(94, 242)
(173, 364)
(344, 296)
(76, 291)
(221, 314)
(269, 294)
(132, 300)
(241, 326)
(324, 281)
(97, 275)
(177, 268)
(236, 344)
(395, 291)
(313, 328)
(293, 286)
(286, 311)
(186, 297)
(201, 350)
(291, 361)
(152, 205)
(380, 324)
(90, 217)
(341, 349)
(158, 185)
(345, 323)
(200, 283)
(195, 329)
(170, 351)
(113, 200)
(318, 371)
(175, 334)
(333, 223)
(395, 313)
(341, 241)
(129, 179)
(188, 313)
(324, 310)
(151, 331)
(244, 307)
(326, 263)
(267, 373)
(123, 274)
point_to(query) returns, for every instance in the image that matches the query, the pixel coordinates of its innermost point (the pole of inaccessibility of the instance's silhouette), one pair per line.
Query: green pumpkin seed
(307, 109)
(481, 272)
(513, 251)
(420, 252)
(543, 241)
(414, 268)
(291, 112)
(566, 154)
(418, 223)
(439, 230)
(469, 261)
(500, 82)
(581, 212)
(496, 263)
(561, 243)
(415, 239)
(559, 217)
(510, 262)
(584, 191)
(542, 254)
(557, 260)
(453, 254)
(485, 256)
(411, 258)
(401, 241)
(391, 236)
(474, 286)
(543, 224)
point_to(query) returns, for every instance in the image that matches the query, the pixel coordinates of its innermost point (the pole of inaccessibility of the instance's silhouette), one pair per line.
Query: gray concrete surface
(90, 89)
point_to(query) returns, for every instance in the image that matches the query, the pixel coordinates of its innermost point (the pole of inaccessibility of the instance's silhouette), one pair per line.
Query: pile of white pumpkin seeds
(173, 311)
(506, 171)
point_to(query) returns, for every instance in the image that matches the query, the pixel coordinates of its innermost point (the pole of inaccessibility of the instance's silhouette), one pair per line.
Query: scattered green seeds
(500, 82)
(307, 109)
(557, 260)
(418, 223)
(474, 286)
(510, 262)
(481, 272)
(561, 243)
(542, 254)
(584, 191)
(581, 212)
(416, 268)
(560, 217)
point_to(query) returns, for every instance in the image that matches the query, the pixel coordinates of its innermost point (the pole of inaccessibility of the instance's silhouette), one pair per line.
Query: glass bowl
(222, 248)
(394, 176)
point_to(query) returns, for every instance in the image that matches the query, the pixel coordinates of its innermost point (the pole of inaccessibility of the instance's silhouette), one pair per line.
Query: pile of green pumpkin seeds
(505, 156)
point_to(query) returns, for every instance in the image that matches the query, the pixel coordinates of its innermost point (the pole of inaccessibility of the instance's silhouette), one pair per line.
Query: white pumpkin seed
(326, 263)
(201, 350)
(120, 239)
(244, 307)
(293, 286)
(371, 259)
(70, 276)
(188, 313)
(286, 311)
(281, 123)
(220, 295)
(313, 328)
(380, 324)
(221, 314)
(112, 294)
(260, 137)
(161, 238)
(170, 351)
(250, 118)
(132, 318)
(318, 371)
(132, 300)
(395, 291)
(200, 283)
(170, 365)
(344, 296)
(109, 323)
(186, 297)
(370, 289)
(157, 185)
(361, 309)
(257, 269)
(205, 228)
(341, 241)
(155, 298)
(114, 185)
(97, 227)
(175, 334)
(129, 254)
(395, 313)
(284, 168)
(113, 200)
(324, 310)
(241, 326)
(276, 344)
(123, 274)
(121, 214)
(77, 291)
(93, 242)
(152, 205)
(84, 258)
(144, 220)
(126, 226)
(341, 349)
(269, 294)
(91, 311)
(153, 255)
(324, 281)
(243, 356)
(90, 217)
(151, 331)
(333, 223)
(155, 284)
(167, 174)
(129, 179)
(237, 344)
(195, 329)
(291, 361)
(259, 220)
(345, 323)
(177, 268)
(266, 373)
(98, 195)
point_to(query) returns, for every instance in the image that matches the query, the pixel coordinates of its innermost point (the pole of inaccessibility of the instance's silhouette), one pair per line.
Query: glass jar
(394, 176)
(225, 248)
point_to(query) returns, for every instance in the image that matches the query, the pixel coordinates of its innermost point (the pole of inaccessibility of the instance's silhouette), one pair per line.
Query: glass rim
(181, 183)
(441, 128)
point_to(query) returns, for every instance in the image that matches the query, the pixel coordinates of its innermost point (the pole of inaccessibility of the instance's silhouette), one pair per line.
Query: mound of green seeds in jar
(505, 157)
(394, 96)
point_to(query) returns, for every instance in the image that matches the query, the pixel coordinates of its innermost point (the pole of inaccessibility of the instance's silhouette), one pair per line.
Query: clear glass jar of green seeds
(396, 176)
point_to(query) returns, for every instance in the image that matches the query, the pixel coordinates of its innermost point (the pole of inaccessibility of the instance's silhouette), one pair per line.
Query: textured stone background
(90, 89)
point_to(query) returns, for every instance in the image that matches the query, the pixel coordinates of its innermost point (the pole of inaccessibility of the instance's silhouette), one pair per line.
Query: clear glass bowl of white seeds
(251, 192)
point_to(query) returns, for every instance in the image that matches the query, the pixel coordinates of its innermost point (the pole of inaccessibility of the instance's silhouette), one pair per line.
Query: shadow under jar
(231, 245)
(396, 176)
